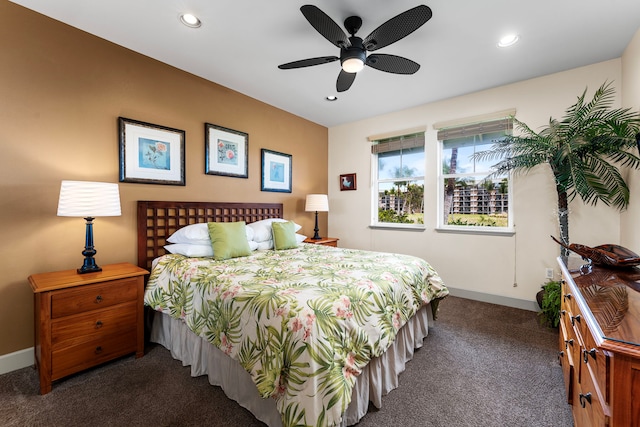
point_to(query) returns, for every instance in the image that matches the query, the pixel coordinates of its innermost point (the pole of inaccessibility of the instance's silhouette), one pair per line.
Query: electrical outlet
(548, 273)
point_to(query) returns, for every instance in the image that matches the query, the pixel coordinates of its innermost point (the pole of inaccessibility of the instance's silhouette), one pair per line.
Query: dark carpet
(481, 365)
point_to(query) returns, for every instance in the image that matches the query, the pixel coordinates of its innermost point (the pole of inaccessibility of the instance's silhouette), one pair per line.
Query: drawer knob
(575, 319)
(567, 297)
(99, 324)
(99, 350)
(587, 353)
(560, 356)
(584, 398)
(98, 299)
(568, 343)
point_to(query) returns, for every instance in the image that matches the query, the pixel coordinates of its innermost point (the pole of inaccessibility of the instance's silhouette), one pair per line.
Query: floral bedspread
(303, 322)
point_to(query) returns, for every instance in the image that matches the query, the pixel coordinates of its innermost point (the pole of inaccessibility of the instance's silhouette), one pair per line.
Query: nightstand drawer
(85, 355)
(91, 297)
(72, 330)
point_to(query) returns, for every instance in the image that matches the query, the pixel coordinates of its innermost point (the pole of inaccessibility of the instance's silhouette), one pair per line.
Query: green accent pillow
(284, 235)
(228, 239)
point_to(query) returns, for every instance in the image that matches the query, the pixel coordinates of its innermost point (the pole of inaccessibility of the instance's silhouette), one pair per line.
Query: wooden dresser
(600, 343)
(82, 320)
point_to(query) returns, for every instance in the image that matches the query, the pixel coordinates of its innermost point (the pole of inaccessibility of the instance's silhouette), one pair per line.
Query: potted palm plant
(584, 151)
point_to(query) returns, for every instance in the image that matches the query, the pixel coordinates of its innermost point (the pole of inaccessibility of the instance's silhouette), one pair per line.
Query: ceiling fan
(353, 50)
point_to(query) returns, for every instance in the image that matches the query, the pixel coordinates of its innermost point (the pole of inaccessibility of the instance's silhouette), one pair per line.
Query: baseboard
(16, 360)
(494, 299)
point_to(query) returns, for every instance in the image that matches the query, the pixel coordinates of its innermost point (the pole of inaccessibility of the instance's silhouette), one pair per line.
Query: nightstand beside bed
(325, 241)
(83, 320)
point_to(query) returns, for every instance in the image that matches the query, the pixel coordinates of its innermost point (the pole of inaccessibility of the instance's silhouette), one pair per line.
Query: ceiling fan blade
(397, 28)
(325, 26)
(392, 64)
(308, 62)
(345, 80)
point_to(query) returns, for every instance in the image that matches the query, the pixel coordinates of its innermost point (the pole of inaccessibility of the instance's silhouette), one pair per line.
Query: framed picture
(276, 171)
(151, 154)
(348, 182)
(225, 151)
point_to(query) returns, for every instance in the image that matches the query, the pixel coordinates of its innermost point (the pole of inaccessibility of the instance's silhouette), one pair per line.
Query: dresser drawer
(588, 404)
(75, 358)
(72, 330)
(598, 362)
(565, 357)
(91, 297)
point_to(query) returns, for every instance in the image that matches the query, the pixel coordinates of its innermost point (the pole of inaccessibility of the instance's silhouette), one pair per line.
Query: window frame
(376, 181)
(476, 129)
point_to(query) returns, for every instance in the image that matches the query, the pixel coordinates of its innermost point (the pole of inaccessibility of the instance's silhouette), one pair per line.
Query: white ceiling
(241, 43)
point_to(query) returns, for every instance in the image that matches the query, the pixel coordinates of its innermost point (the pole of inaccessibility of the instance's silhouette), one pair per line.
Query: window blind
(398, 143)
(502, 125)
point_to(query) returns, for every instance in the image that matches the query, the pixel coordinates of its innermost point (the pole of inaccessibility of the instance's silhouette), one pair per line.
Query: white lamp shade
(317, 203)
(89, 199)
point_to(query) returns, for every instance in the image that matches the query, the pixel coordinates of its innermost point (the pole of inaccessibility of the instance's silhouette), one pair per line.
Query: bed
(303, 336)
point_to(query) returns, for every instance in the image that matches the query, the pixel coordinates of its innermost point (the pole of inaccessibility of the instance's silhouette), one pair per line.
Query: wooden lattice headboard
(157, 220)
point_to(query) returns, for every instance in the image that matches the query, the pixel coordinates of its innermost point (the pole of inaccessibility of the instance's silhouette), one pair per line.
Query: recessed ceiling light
(508, 40)
(331, 98)
(190, 20)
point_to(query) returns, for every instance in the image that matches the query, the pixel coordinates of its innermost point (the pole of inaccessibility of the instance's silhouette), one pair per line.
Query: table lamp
(89, 200)
(317, 203)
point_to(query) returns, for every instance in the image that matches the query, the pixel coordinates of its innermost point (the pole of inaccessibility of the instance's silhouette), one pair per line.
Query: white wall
(483, 264)
(630, 233)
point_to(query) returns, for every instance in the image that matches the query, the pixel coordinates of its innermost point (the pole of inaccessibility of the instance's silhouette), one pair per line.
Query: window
(398, 182)
(469, 199)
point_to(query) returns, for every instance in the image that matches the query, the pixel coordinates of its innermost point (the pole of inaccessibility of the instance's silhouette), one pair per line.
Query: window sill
(489, 231)
(399, 227)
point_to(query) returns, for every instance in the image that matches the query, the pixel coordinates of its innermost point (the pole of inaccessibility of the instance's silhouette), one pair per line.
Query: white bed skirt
(377, 379)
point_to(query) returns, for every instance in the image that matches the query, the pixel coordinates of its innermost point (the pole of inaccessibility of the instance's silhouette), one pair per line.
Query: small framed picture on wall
(151, 154)
(276, 171)
(226, 151)
(348, 182)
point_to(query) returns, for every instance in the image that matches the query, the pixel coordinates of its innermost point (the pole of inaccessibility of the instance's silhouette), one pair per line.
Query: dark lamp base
(89, 265)
(85, 269)
(316, 236)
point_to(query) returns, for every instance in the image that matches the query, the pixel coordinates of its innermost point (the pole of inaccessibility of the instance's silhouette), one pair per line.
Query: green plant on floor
(550, 303)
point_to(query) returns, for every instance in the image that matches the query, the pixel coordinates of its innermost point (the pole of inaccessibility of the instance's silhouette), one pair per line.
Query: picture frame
(348, 182)
(150, 153)
(226, 151)
(276, 171)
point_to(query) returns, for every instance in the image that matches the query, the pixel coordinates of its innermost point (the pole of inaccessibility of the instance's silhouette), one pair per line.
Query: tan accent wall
(61, 92)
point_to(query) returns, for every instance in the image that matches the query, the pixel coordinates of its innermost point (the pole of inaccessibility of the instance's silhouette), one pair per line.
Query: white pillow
(198, 234)
(268, 244)
(262, 229)
(190, 250)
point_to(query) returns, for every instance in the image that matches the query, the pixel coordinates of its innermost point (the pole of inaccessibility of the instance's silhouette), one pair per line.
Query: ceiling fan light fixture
(190, 20)
(352, 65)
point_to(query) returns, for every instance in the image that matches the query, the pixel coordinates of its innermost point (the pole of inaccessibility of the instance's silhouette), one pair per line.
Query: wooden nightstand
(325, 241)
(83, 320)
